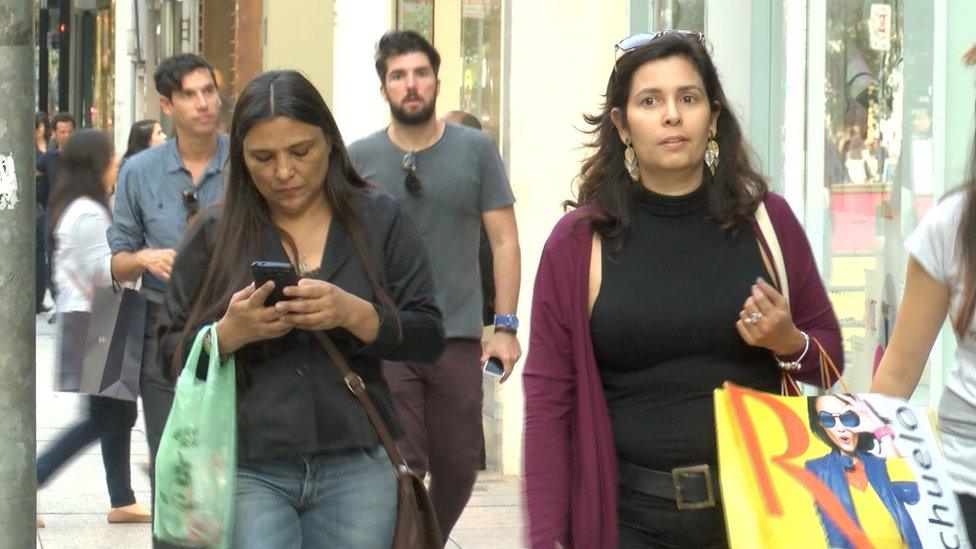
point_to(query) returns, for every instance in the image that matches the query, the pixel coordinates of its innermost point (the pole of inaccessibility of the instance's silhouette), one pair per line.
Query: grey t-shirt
(461, 176)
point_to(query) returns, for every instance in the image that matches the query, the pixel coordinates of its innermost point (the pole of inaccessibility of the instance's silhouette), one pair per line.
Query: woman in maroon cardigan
(651, 294)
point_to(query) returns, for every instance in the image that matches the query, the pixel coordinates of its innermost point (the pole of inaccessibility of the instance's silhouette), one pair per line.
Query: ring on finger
(752, 319)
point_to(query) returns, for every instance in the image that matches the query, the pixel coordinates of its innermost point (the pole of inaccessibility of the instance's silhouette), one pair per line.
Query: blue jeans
(345, 498)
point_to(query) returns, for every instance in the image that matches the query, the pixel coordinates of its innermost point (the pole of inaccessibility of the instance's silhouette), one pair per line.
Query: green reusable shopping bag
(197, 458)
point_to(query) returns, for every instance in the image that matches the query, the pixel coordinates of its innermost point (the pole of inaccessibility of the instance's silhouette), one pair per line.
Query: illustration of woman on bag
(864, 470)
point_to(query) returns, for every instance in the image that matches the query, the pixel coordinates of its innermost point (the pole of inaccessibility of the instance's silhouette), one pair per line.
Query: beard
(415, 118)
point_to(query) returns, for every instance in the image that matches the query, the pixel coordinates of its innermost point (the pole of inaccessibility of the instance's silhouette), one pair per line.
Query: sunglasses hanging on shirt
(190, 202)
(411, 182)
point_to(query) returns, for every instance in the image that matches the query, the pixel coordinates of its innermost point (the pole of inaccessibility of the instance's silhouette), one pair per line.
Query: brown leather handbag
(416, 525)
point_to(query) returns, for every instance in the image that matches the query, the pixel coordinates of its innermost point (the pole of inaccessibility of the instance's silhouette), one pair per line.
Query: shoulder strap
(358, 389)
(772, 242)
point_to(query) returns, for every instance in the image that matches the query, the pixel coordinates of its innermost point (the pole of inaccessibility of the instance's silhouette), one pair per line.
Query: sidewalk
(75, 502)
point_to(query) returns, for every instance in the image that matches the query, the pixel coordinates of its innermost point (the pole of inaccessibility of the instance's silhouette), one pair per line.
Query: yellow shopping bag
(851, 471)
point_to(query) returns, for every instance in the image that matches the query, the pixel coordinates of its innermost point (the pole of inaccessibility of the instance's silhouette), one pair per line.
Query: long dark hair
(967, 237)
(84, 160)
(139, 136)
(734, 191)
(244, 215)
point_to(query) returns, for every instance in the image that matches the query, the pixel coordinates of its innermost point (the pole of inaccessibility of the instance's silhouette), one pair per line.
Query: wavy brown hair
(967, 236)
(734, 191)
(244, 215)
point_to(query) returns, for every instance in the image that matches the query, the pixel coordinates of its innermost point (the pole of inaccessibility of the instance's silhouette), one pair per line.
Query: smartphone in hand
(494, 368)
(283, 274)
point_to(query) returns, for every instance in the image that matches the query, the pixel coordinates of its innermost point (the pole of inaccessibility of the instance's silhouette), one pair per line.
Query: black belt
(691, 487)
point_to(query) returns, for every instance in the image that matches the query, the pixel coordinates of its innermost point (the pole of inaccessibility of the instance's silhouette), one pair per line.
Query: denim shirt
(150, 211)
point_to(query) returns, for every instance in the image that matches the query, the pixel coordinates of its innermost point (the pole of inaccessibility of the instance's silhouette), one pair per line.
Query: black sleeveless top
(663, 329)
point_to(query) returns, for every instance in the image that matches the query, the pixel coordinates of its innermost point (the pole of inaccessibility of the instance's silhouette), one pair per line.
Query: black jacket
(292, 399)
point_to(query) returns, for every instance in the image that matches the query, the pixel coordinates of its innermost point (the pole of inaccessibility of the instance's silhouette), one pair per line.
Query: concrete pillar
(18, 481)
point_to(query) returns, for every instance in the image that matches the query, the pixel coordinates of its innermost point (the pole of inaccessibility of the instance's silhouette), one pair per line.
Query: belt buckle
(704, 470)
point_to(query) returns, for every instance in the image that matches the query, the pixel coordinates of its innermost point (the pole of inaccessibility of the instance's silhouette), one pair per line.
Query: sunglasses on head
(411, 182)
(635, 41)
(190, 202)
(847, 419)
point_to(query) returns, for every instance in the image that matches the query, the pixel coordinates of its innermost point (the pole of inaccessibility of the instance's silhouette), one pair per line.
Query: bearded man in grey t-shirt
(449, 180)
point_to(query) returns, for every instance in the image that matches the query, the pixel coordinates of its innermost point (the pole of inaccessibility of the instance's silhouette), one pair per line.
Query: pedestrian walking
(42, 275)
(650, 295)
(940, 281)
(62, 124)
(82, 263)
(156, 195)
(311, 470)
(450, 180)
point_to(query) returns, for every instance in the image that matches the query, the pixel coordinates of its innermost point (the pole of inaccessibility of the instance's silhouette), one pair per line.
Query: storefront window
(878, 165)
(418, 16)
(652, 15)
(481, 62)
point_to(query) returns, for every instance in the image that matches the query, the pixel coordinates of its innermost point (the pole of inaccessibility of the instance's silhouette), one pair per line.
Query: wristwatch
(506, 323)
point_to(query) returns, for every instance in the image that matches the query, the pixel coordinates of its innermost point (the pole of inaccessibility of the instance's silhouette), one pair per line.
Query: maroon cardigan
(570, 467)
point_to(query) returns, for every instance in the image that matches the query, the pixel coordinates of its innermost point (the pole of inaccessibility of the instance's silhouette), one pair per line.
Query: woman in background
(79, 217)
(143, 135)
(941, 281)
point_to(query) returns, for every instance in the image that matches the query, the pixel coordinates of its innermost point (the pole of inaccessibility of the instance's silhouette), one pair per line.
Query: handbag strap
(77, 284)
(90, 295)
(828, 370)
(358, 388)
(772, 241)
(829, 374)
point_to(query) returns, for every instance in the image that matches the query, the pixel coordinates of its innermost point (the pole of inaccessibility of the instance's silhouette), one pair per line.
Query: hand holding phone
(494, 368)
(247, 319)
(282, 274)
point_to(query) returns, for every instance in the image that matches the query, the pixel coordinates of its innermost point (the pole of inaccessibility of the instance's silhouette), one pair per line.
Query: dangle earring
(711, 153)
(630, 161)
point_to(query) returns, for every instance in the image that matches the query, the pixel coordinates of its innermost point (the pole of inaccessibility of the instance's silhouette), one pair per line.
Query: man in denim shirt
(158, 191)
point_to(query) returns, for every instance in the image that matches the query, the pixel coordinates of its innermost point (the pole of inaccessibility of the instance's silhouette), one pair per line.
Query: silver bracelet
(794, 365)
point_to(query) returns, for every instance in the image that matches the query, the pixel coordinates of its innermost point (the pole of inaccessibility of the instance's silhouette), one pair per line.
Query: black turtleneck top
(663, 329)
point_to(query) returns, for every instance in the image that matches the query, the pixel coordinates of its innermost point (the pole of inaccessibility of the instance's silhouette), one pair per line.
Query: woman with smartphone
(658, 288)
(311, 471)
(79, 216)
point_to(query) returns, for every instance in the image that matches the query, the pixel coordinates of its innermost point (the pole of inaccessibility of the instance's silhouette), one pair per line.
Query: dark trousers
(110, 421)
(156, 392)
(968, 504)
(439, 406)
(648, 521)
